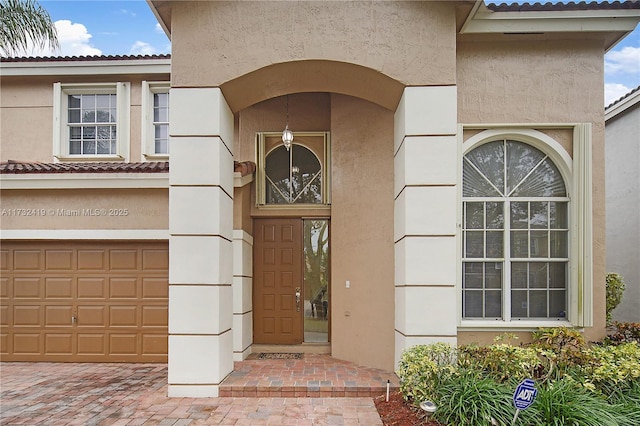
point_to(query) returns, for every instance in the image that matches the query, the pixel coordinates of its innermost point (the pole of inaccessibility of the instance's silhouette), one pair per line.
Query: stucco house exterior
(445, 182)
(622, 155)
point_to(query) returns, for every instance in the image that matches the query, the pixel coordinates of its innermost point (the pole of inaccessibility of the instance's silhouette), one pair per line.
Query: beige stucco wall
(362, 232)
(26, 114)
(214, 43)
(67, 209)
(542, 82)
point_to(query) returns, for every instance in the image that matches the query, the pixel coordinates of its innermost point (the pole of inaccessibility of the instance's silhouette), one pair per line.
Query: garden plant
(578, 383)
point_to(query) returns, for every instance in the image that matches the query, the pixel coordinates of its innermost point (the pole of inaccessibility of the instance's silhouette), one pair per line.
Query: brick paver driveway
(135, 394)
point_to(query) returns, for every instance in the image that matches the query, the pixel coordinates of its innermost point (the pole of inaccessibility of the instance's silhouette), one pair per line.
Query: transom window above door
(296, 176)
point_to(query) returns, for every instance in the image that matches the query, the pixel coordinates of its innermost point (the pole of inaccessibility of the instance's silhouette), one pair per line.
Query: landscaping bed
(577, 383)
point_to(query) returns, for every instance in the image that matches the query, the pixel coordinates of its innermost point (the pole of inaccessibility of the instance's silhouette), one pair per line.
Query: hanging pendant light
(287, 135)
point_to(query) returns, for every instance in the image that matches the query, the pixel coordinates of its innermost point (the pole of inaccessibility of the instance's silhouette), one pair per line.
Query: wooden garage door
(84, 302)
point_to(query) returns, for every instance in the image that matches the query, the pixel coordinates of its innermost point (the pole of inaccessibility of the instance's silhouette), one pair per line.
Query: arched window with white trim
(515, 234)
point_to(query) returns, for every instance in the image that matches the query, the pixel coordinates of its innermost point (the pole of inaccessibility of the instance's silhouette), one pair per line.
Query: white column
(242, 294)
(425, 166)
(200, 242)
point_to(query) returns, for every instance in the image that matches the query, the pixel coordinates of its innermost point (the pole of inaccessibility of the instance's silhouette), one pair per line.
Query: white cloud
(74, 40)
(142, 48)
(158, 28)
(623, 61)
(127, 12)
(613, 92)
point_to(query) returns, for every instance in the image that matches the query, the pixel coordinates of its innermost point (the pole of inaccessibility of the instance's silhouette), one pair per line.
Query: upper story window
(91, 121)
(92, 124)
(155, 119)
(298, 176)
(515, 234)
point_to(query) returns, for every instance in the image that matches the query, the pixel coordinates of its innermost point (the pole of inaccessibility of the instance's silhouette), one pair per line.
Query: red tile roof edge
(83, 58)
(23, 167)
(556, 7)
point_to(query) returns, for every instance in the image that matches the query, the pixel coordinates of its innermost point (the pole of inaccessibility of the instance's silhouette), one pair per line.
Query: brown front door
(277, 309)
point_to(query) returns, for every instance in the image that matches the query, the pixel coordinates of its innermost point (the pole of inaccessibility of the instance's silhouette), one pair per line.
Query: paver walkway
(135, 394)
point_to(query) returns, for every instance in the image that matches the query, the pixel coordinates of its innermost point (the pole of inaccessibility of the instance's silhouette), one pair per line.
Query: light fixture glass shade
(287, 137)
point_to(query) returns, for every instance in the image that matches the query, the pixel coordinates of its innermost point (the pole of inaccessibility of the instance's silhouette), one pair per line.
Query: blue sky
(99, 27)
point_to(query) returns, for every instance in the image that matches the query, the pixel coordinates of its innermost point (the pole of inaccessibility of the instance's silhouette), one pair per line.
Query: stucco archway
(312, 76)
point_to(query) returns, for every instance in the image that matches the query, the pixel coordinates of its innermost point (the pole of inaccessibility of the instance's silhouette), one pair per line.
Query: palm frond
(23, 22)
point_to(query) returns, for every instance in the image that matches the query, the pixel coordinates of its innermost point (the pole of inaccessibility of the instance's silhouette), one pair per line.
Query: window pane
(88, 101)
(474, 184)
(521, 159)
(545, 181)
(161, 100)
(493, 275)
(559, 244)
(473, 275)
(539, 244)
(538, 217)
(557, 275)
(103, 101)
(493, 304)
(519, 275)
(74, 116)
(538, 304)
(519, 244)
(474, 244)
(88, 116)
(519, 303)
(88, 147)
(472, 302)
(557, 304)
(75, 147)
(495, 215)
(519, 215)
(494, 244)
(537, 275)
(88, 132)
(474, 216)
(489, 160)
(74, 101)
(558, 215)
(103, 146)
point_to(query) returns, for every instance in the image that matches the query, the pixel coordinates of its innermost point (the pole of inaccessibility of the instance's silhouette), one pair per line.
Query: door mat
(279, 355)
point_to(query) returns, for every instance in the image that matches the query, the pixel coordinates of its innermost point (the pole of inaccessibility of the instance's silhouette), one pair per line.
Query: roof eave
(617, 22)
(622, 105)
(162, 11)
(86, 67)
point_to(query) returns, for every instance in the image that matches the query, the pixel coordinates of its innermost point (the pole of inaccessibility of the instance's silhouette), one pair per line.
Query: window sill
(498, 325)
(88, 158)
(156, 157)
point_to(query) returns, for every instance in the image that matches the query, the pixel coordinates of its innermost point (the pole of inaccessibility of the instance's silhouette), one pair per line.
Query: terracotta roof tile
(20, 167)
(84, 58)
(617, 101)
(556, 7)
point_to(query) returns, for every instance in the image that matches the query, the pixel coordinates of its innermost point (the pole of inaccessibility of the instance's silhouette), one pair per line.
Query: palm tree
(23, 22)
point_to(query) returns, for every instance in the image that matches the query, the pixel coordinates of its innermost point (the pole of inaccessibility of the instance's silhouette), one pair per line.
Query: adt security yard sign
(524, 396)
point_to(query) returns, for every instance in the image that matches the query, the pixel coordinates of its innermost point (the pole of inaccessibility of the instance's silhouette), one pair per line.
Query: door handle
(298, 299)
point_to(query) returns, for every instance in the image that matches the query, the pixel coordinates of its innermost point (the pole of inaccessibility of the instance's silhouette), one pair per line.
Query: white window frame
(576, 171)
(149, 88)
(61, 92)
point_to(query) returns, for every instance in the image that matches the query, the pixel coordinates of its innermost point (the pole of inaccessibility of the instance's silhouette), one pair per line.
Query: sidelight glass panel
(316, 281)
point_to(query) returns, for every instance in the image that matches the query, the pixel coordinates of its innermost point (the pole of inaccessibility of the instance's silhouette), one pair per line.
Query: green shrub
(502, 361)
(423, 368)
(613, 368)
(577, 384)
(615, 289)
(624, 332)
(563, 347)
(566, 402)
(467, 398)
